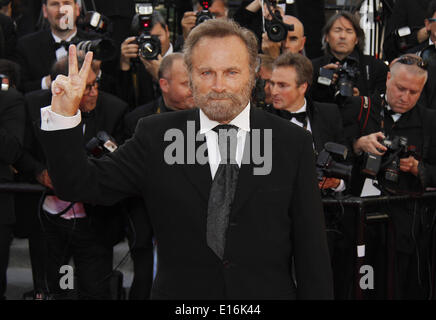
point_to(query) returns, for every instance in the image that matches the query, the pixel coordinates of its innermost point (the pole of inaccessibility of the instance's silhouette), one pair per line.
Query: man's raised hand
(68, 91)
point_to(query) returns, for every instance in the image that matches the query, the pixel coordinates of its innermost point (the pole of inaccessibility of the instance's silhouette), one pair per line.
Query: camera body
(328, 162)
(103, 49)
(149, 45)
(204, 14)
(389, 163)
(347, 73)
(275, 28)
(101, 144)
(94, 21)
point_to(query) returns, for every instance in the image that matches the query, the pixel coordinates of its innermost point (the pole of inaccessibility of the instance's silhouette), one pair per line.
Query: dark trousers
(92, 259)
(6, 235)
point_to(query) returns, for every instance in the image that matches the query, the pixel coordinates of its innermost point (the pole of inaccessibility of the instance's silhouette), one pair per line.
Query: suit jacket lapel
(315, 127)
(199, 175)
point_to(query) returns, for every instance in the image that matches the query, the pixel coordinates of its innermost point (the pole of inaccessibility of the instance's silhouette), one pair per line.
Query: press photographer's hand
(370, 143)
(68, 91)
(409, 164)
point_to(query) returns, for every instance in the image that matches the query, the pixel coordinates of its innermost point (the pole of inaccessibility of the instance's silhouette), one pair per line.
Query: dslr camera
(204, 14)
(389, 163)
(275, 28)
(328, 162)
(101, 144)
(347, 73)
(103, 49)
(149, 45)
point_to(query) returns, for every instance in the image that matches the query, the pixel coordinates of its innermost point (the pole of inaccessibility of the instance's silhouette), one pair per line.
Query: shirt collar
(242, 121)
(169, 51)
(58, 40)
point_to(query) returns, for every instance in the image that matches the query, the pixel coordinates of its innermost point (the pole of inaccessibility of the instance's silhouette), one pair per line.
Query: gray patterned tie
(223, 189)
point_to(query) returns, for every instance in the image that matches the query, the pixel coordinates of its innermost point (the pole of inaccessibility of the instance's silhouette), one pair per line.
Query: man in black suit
(231, 229)
(290, 80)
(12, 119)
(37, 51)
(343, 40)
(91, 237)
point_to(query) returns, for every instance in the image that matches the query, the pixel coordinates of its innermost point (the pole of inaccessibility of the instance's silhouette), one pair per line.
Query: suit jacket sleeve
(312, 261)
(102, 181)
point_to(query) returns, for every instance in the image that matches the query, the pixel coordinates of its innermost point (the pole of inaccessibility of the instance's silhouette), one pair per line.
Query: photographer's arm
(370, 143)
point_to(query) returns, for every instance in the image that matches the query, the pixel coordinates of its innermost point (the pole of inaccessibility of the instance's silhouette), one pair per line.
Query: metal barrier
(366, 210)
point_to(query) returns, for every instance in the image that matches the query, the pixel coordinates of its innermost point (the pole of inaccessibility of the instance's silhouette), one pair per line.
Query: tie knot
(224, 127)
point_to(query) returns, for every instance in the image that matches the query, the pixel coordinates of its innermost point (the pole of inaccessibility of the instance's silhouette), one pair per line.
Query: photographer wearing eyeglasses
(399, 133)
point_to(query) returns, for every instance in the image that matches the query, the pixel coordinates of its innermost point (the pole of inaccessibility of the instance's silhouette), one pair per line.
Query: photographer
(427, 50)
(218, 8)
(309, 13)
(139, 76)
(12, 120)
(405, 28)
(379, 122)
(36, 52)
(344, 41)
(79, 231)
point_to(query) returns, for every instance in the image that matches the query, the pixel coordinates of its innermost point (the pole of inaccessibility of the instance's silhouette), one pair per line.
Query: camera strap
(365, 109)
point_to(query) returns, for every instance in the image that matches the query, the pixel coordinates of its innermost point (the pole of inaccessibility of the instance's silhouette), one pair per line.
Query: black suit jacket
(36, 54)
(325, 123)
(372, 78)
(12, 120)
(275, 218)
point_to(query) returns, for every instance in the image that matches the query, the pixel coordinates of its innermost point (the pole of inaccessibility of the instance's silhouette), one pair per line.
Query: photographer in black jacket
(373, 124)
(343, 43)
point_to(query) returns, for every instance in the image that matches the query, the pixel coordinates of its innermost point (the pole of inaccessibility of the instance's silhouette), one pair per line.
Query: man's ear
(77, 13)
(44, 10)
(164, 85)
(427, 24)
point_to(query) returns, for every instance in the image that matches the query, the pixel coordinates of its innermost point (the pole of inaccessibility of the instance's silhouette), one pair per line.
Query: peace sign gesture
(68, 91)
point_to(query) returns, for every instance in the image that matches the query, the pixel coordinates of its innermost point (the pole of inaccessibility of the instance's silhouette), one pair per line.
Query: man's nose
(219, 83)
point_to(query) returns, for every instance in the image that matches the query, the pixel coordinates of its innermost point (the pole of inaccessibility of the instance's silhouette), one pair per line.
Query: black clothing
(36, 54)
(8, 38)
(12, 119)
(176, 198)
(409, 220)
(309, 12)
(372, 78)
(409, 13)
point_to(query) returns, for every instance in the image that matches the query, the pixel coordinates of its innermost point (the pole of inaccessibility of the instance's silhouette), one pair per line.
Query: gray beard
(224, 110)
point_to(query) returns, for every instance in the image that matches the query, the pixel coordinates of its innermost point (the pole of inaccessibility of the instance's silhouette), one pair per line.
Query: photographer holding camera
(141, 56)
(217, 9)
(37, 51)
(400, 133)
(344, 69)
